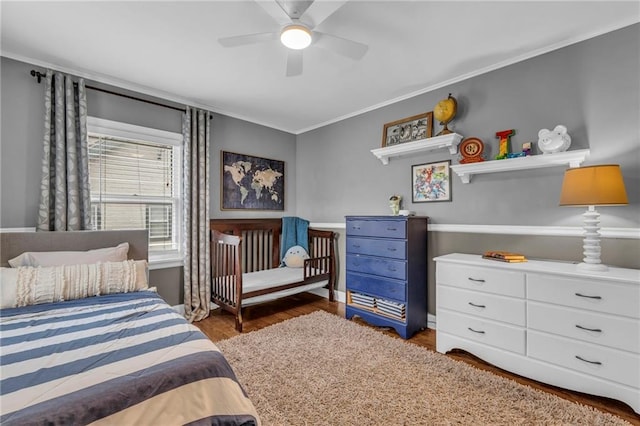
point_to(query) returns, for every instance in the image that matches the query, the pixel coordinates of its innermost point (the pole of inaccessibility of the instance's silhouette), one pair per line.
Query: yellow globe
(444, 112)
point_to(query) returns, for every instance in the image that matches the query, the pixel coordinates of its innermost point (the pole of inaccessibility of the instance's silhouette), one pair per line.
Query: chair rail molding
(549, 231)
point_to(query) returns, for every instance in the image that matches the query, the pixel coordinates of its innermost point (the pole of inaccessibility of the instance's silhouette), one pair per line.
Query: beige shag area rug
(320, 369)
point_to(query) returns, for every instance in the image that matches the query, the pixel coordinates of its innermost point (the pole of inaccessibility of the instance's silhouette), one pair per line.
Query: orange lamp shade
(593, 186)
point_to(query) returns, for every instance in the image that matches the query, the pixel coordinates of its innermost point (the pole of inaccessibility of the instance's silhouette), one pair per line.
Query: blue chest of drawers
(386, 267)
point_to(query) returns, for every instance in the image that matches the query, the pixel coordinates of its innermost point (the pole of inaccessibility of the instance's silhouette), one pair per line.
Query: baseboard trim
(544, 231)
(339, 296)
(431, 321)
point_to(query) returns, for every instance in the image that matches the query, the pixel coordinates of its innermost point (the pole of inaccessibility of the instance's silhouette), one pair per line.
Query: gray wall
(21, 151)
(22, 130)
(243, 137)
(591, 87)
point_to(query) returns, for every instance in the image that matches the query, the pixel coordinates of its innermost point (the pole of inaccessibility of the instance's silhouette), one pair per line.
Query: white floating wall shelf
(450, 141)
(570, 158)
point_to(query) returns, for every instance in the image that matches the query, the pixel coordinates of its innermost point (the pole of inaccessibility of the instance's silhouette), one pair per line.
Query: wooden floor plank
(221, 326)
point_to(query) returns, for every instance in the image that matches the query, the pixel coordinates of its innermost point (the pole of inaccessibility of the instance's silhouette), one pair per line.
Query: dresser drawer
(506, 283)
(377, 266)
(376, 286)
(617, 332)
(491, 333)
(377, 228)
(485, 305)
(594, 295)
(611, 364)
(396, 249)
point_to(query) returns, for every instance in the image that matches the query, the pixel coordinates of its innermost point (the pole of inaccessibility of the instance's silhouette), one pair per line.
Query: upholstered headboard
(13, 244)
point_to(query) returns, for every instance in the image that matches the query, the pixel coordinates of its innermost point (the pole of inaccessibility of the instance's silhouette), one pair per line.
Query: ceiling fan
(298, 20)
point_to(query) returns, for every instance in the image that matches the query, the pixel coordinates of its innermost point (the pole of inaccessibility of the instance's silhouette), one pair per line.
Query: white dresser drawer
(581, 330)
(491, 333)
(594, 295)
(506, 283)
(611, 364)
(486, 305)
(603, 329)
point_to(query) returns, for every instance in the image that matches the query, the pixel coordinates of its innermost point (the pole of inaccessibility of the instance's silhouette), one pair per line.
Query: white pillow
(8, 286)
(55, 258)
(295, 256)
(27, 285)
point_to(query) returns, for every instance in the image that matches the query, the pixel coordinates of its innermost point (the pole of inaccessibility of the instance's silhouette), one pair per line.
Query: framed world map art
(249, 182)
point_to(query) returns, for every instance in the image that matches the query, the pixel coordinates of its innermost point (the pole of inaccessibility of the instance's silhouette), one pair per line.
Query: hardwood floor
(220, 326)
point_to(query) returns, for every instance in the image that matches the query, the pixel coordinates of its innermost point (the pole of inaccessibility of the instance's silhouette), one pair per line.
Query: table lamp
(593, 186)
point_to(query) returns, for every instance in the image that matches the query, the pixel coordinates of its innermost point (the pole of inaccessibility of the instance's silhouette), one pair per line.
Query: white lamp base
(592, 267)
(591, 244)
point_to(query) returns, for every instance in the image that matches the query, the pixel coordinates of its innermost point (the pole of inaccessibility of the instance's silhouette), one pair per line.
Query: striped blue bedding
(121, 359)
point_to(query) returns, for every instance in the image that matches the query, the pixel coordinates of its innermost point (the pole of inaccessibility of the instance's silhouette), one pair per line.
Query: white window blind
(135, 183)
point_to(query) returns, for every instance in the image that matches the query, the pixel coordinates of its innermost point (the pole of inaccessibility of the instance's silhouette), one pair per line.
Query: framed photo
(431, 182)
(408, 129)
(250, 183)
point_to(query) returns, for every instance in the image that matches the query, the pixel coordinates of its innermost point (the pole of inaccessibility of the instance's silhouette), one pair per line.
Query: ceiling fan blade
(321, 10)
(275, 11)
(342, 46)
(242, 40)
(294, 63)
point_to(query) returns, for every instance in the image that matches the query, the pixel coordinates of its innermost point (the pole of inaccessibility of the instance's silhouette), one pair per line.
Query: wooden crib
(245, 260)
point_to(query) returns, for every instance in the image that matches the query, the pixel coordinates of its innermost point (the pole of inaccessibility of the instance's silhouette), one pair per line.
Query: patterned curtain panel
(197, 287)
(65, 203)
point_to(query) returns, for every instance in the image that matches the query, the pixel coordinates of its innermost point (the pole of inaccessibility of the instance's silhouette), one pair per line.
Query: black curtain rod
(38, 75)
(97, 89)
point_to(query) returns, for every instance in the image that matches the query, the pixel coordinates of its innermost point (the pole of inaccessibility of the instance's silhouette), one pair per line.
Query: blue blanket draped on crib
(295, 232)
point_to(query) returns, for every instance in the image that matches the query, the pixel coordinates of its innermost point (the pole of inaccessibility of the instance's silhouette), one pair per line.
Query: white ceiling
(170, 49)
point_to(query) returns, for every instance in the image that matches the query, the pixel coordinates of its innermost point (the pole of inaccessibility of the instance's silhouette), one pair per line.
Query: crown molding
(101, 78)
(568, 42)
(126, 85)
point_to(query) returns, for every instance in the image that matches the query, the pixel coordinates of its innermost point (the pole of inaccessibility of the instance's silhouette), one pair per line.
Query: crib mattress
(253, 281)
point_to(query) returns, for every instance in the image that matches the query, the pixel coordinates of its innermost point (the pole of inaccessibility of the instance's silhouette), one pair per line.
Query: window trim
(134, 132)
(168, 258)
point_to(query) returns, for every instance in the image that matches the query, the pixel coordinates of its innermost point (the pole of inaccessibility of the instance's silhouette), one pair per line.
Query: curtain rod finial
(38, 75)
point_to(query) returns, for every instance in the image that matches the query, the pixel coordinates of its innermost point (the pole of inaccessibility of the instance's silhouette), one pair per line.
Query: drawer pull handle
(476, 280)
(392, 229)
(391, 249)
(597, 330)
(392, 269)
(586, 360)
(588, 297)
(356, 245)
(476, 331)
(479, 306)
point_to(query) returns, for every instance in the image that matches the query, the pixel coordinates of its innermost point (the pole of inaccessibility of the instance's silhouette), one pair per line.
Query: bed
(245, 264)
(120, 358)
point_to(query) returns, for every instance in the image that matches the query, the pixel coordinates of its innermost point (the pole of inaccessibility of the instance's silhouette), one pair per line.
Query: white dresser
(545, 321)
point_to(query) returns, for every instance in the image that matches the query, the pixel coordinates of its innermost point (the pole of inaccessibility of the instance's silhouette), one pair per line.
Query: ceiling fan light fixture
(296, 36)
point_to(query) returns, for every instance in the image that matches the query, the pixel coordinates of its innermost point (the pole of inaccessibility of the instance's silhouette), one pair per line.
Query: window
(135, 180)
